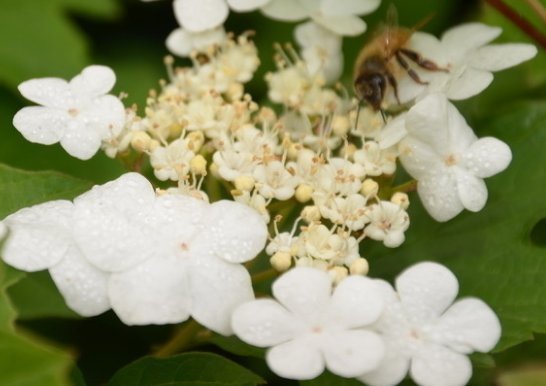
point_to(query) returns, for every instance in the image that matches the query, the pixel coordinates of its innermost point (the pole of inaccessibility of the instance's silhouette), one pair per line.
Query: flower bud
(198, 165)
(369, 187)
(213, 168)
(310, 213)
(340, 125)
(281, 261)
(244, 183)
(338, 274)
(303, 193)
(401, 199)
(195, 140)
(141, 141)
(359, 267)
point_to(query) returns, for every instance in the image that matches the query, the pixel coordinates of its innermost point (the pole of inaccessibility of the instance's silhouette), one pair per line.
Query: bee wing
(390, 30)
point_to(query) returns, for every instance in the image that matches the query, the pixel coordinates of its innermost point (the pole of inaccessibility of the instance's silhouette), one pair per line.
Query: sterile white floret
(311, 327)
(79, 114)
(429, 335)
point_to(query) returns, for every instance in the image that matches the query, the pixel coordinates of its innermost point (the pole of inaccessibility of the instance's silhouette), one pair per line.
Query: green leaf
(491, 252)
(234, 345)
(530, 376)
(20, 188)
(185, 370)
(37, 296)
(28, 363)
(37, 39)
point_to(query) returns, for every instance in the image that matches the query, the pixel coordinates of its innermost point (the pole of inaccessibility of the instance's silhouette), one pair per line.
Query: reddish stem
(519, 21)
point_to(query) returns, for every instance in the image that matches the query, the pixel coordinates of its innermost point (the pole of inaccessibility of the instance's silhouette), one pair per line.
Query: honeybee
(376, 64)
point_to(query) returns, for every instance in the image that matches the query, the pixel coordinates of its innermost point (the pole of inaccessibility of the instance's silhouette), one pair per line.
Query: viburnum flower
(182, 42)
(79, 114)
(153, 259)
(449, 162)
(468, 58)
(320, 50)
(310, 326)
(388, 222)
(426, 334)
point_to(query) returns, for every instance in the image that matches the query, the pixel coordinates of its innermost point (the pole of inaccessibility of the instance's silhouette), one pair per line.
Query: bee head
(371, 88)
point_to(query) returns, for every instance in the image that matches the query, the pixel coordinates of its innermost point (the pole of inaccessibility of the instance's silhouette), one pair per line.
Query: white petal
(217, 288)
(304, 291)
(497, 57)
(39, 236)
(203, 40)
(439, 196)
(393, 132)
(426, 290)
(342, 25)
(179, 42)
(469, 325)
(439, 366)
(246, 5)
(391, 371)
(234, 232)
(80, 142)
(468, 36)
(467, 84)
(348, 7)
(83, 286)
(428, 122)
(200, 15)
(352, 353)
(286, 10)
(356, 302)
(472, 190)
(312, 34)
(487, 157)
(93, 81)
(419, 159)
(50, 92)
(39, 124)
(264, 323)
(112, 223)
(296, 359)
(154, 292)
(105, 116)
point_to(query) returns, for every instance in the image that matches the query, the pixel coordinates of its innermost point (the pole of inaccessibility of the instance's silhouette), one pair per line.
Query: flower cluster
(366, 329)
(153, 258)
(310, 180)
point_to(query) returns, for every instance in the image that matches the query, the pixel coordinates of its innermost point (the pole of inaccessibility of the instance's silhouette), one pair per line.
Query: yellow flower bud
(303, 193)
(141, 141)
(244, 183)
(359, 267)
(369, 187)
(401, 199)
(281, 261)
(198, 165)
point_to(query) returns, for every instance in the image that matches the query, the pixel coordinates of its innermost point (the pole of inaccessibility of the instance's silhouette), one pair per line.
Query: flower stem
(264, 275)
(181, 340)
(539, 9)
(406, 187)
(519, 21)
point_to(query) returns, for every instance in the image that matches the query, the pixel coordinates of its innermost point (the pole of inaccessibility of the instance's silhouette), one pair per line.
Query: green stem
(264, 275)
(406, 187)
(180, 341)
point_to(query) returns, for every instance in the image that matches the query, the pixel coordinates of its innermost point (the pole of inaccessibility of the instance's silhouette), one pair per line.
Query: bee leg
(394, 85)
(422, 62)
(408, 69)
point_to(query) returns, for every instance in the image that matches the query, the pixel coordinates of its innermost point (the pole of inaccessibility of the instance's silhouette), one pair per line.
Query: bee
(378, 60)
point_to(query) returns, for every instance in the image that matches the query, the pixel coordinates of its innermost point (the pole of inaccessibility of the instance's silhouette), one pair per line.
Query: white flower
(338, 16)
(447, 159)
(274, 181)
(78, 114)
(171, 162)
(153, 259)
(376, 161)
(309, 328)
(464, 51)
(321, 50)
(426, 334)
(388, 222)
(182, 42)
